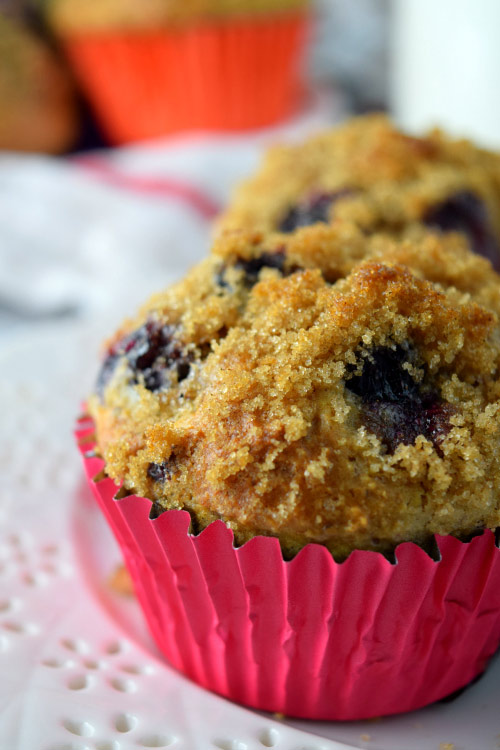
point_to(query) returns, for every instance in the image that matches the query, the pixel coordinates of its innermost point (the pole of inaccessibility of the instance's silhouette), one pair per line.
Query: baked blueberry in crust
(312, 209)
(369, 174)
(253, 266)
(394, 406)
(465, 212)
(153, 355)
(161, 472)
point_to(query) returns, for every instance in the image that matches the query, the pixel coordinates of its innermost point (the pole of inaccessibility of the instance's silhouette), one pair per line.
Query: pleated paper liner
(308, 637)
(229, 75)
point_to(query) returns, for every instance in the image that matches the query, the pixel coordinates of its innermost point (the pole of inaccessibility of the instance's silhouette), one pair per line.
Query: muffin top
(357, 412)
(37, 98)
(382, 180)
(73, 16)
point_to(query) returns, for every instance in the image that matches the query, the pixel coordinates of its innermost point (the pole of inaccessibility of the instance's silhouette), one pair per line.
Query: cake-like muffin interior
(356, 414)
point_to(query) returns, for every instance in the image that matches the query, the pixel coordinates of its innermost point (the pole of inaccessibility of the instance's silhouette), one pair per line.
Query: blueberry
(312, 209)
(465, 212)
(220, 278)
(383, 377)
(396, 424)
(106, 373)
(163, 471)
(394, 406)
(254, 266)
(152, 353)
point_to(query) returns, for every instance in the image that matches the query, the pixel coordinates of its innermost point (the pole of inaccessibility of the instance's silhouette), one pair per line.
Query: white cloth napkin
(96, 234)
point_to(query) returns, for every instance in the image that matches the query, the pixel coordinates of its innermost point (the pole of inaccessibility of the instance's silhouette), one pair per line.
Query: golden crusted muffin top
(356, 414)
(74, 16)
(369, 173)
(335, 249)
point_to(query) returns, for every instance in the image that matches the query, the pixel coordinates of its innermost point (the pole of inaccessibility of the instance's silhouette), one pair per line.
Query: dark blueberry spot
(394, 406)
(220, 278)
(162, 472)
(152, 353)
(106, 373)
(156, 510)
(254, 266)
(153, 379)
(383, 377)
(183, 369)
(465, 212)
(311, 209)
(403, 423)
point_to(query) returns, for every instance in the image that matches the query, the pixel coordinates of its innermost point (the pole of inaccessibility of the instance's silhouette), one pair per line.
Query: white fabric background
(73, 243)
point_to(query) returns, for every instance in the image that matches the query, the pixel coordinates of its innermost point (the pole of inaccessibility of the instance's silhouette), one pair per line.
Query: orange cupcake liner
(234, 75)
(308, 637)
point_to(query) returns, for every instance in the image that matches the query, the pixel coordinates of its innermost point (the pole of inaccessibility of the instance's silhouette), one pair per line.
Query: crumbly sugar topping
(368, 173)
(346, 396)
(84, 16)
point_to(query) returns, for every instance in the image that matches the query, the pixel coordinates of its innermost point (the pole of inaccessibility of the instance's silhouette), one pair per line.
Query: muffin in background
(370, 174)
(37, 98)
(152, 67)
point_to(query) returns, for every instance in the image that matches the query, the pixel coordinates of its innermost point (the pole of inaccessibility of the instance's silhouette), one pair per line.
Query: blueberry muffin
(101, 15)
(335, 249)
(37, 99)
(356, 413)
(382, 180)
(154, 67)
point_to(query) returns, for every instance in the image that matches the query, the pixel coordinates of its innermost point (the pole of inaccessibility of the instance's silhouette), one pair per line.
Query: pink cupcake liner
(308, 637)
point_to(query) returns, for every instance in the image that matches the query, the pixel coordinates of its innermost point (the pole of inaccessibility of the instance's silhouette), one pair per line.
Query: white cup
(445, 67)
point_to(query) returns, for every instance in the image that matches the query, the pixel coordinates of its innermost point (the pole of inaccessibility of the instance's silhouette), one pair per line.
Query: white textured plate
(78, 669)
